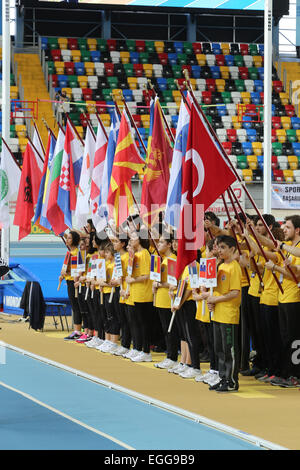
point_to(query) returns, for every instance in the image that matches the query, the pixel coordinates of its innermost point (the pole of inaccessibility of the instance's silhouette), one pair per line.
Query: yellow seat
(293, 162)
(76, 55)
(82, 81)
(117, 93)
(125, 57)
(224, 70)
(89, 68)
(79, 129)
(14, 92)
(20, 130)
(59, 67)
(284, 97)
(257, 61)
(225, 48)
(201, 59)
(68, 92)
(63, 43)
(193, 82)
(105, 118)
(236, 122)
(286, 122)
(145, 118)
(22, 143)
(159, 46)
(91, 107)
(252, 161)
(176, 95)
(257, 148)
(246, 97)
(247, 175)
(288, 176)
(220, 84)
(298, 134)
(132, 82)
(148, 70)
(281, 135)
(92, 44)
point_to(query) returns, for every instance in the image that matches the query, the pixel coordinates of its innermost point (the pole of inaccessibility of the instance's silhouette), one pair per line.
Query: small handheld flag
(202, 274)
(155, 266)
(211, 272)
(101, 269)
(193, 275)
(118, 271)
(180, 292)
(94, 266)
(81, 261)
(171, 277)
(73, 266)
(66, 263)
(130, 263)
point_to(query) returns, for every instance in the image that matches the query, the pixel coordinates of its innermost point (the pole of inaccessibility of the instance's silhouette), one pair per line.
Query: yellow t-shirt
(269, 295)
(255, 288)
(229, 278)
(141, 291)
(200, 315)
(185, 275)
(68, 276)
(109, 266)
(291, 291)
(163, 300)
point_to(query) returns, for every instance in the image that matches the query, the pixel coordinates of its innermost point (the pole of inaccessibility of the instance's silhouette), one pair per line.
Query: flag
(10, 175)
(81, 261)
(202, 272)
(43, 186)
(127, 163)
(155, 265)
(193, 275)
(102, 210)
(73, 266)
(84, 189)
(97, 173)
(205, 175)
(51, 210)
(28, 191)
(179, 292)
(156, 177)
(38, 147)
(171, 277)
(172, 215)
(66, 262)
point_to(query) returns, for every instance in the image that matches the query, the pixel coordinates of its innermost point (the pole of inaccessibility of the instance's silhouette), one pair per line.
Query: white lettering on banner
(12, 301)
(286, 196)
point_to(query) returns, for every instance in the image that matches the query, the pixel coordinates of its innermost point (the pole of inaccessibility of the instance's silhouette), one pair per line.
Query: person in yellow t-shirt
(289, 305)
(163, 303)
(225, 304)
(141, 295)
(72, 242)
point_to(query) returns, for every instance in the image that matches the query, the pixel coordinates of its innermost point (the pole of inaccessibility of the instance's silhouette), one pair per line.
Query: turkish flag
(28, 191)
(205, 176)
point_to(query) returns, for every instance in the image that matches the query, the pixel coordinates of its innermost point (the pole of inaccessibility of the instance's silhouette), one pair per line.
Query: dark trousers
(125, 326)
(226, 347)
(171, 338)
(258, 342)
(83, 306)
(143, 318)
(208, 327)
(271, 336)
(77, 317)
(289, 325)
(96, 310)
(112, 316)
(246, 329)
(192, 332)
(133, 325)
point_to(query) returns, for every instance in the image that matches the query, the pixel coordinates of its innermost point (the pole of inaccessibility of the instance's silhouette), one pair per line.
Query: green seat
(73, 81)
(242, 162)
(12, 131)
(239, 61)
(253, 73)
(106, 92)
(149, 46)
(277, 148)
(253, 49)
(167, 96)
(188, 48)
(82, 44)
(75, 118)
(171, 84)
(53, 43)
(102, 45)
(240, 85)
(128, 68)
(130, 43)
(226, 96)
(85, 56)
(51, 68)
(177, 71)
(144, 57)
(113, 82)
(181, 59)
(291, 135)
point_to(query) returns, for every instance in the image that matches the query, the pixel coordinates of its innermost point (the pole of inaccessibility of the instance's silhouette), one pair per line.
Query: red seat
(261, 94)
(137, 119)
(231, 135)
(56, 55)
(244, 73)
(69, 68)
(84, 119)
(220, 59)
(87, 94)
(138, 70)
(278, 176)
(244, 49)
(197, 47)
(181, 83)
(111, 44)
(227, 147)
(188, 68)
(276, 122)
(72, 44)
(206, 97)
(290, 110)
(210, 84)
(54, 81)
(109, 69)
(140, 46)
(101, 107)
(163, 58)
(274, 162)
(273, 135)
(278, 86)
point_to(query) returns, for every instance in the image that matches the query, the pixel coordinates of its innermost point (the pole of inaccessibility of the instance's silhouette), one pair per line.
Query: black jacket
(34, 305)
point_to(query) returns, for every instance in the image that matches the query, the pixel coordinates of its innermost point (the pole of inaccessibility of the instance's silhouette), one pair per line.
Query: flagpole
(102, 126)
(90, 127)
(34, 147)
(163, 114)
(48, 128)
(39, 137)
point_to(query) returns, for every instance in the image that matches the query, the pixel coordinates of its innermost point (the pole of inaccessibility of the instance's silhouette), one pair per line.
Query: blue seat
(255, 97)
(95, 56)
(259, 85)
(247, 148)
(111, 107)
(135, 57)
(62, 81)
(260, 161)
(215, 71)
(295, 121)
(172, 57)
(296, 148)
(79, 67)
(196, 71)
(162, 83)
(261, 72)
(128, 95)
(178, 47)
(247, 122)
(44, 43)
(216, 48)
(261, 49)
(174, 120)
(229, 59)
(222, 110)
(252, 135)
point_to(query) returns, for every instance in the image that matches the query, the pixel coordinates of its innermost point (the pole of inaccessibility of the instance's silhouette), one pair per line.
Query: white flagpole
(268, 105)
(5, 102)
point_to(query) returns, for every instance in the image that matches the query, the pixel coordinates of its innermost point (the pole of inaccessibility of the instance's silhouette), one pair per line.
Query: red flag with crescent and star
(205, 176)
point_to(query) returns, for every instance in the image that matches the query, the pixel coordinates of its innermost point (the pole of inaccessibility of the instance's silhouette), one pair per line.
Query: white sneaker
(120, 351)
(190, 373)
(102, 347)
(94, 342)
(172, 370)
(181, 368)
(112, 348)
(131, 353)
(204, 377)
(142, 357)
(214, 379)
(165, 364)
